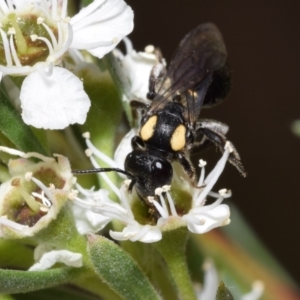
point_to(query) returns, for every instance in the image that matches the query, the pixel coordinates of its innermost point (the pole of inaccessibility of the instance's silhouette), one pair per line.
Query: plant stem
(172, 248)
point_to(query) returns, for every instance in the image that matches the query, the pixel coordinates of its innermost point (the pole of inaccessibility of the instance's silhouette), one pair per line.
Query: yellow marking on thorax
(148, 129)
(178, 138)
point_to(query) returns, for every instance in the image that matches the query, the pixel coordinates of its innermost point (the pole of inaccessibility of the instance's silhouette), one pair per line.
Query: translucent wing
(200, 53)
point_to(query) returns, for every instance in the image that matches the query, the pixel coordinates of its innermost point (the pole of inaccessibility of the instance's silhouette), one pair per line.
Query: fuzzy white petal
(62, 256)
(208, 220)
(100, 22)
(138, 66)
(53, 102)
(137, 232)
(88, 221)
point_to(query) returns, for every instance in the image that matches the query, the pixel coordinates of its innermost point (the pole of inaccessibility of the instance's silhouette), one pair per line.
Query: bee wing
(201, 52)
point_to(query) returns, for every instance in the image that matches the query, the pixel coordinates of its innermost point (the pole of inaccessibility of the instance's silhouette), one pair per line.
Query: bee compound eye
(161, 169)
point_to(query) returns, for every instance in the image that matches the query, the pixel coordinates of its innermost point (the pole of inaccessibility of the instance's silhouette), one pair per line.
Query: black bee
(170, 128)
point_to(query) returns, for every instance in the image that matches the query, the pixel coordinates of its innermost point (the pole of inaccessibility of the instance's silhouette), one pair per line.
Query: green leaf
(223, 292)
(119, 270)
(14, 281)
(153, 264)
(15, 255)
(6, 297)
(63, 292)
(13, 127)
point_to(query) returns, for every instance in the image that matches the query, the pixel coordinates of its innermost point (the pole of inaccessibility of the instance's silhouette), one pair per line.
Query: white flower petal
(137, 232)
(138, 66)
(88, 221)
(53, 102)
(124, 149)
(63, 256)
(152, 236)
(101, 25)
(210, 284)
(256, 292)
(206, 221)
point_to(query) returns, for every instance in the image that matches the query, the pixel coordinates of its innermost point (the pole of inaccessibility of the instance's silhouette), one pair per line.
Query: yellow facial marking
(148, 129)
(178, 138)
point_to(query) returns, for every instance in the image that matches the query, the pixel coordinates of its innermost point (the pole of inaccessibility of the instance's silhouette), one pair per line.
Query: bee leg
(157, 74)
(138, 105)
(138, 108)
(214, 132)
(201, 141)
(187, 166)
(137, 143)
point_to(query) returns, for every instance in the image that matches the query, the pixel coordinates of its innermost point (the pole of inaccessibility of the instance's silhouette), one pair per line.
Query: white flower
(99, 27)
(86, 220)
(137, 67)
(201, 218)
(211, 283)
(37, 34)
(46, 260)
(102, 210)
(34, 195)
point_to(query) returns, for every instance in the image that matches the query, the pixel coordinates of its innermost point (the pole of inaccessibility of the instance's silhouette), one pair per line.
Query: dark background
(263, 42)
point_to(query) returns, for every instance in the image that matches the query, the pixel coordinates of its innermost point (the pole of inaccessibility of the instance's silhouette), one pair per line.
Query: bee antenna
(100, 170)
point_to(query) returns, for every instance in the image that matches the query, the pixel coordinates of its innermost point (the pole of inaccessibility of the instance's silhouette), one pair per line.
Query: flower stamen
(46, 202)
(164, 213)
(6, 47)
(34, 37)
(213, 176)
(14, 52)
(43, 188)
(11, 224)
(64, 9)
(171, 205)
(52, 36)
(54, 9)
(106, 178)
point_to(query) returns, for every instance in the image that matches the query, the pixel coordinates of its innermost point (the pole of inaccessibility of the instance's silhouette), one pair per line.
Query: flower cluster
(99, 210)
(42, 203)
(36, 35)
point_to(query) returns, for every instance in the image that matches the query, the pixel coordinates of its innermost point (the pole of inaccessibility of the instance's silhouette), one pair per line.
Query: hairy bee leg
(157, 74)
(215, 135)
(137, 107)
(201, 141)
(137, 143)
(187, 167)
